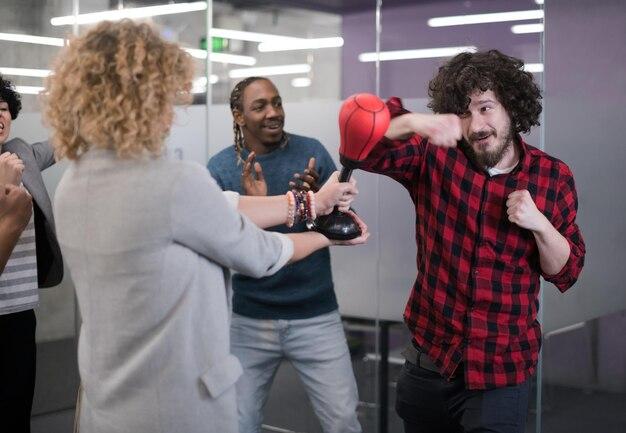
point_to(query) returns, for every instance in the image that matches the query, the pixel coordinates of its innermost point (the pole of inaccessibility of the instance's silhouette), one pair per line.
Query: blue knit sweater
(300, 290)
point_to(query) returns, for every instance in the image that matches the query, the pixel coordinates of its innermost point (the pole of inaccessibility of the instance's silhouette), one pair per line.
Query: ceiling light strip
(459, 20)
(301, 44)
(533, 67)
(132, 13)
(424, 53)
(270, 70)
(234, 59)
(251, 36)
(519, 29)
(30, 39)
(24, 72)
(301, 82)
(29, 90)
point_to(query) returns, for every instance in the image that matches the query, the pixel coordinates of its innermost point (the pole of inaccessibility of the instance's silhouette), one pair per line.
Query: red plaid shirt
(475, 298)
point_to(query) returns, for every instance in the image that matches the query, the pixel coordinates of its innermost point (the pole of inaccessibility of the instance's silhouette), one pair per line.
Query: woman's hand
(364, 233)
(334, 193)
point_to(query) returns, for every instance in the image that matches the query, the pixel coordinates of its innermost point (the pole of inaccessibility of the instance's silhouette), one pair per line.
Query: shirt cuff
(286, 253)
(232, 197)
(564, 279)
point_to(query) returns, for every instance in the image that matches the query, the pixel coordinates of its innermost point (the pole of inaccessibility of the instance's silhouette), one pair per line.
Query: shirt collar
(522, 165)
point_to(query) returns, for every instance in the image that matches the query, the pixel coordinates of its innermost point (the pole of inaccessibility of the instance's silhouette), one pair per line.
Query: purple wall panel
(404, 27)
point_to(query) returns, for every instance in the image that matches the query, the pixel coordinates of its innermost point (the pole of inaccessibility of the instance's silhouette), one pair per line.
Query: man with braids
(31, 258)
(292, 314)
(493, 215)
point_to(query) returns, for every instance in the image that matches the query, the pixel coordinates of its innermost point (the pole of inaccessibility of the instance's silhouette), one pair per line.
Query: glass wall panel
(318, 69)
(26, 61)
(584, 352)
(410, 57)
(312, 83)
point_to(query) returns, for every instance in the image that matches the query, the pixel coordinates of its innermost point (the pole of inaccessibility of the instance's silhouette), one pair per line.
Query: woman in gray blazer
(149, 241)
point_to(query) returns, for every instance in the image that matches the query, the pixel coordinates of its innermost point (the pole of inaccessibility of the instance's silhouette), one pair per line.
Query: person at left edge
(35, 262)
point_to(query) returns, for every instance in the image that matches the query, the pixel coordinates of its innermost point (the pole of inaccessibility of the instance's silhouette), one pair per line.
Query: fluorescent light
(132, 13)
(301, 82)
(527, 28)
(23, 72)
(199, 84)
(533, 67)
(425, 53)
(250, 36)
(270, 70)
(223, 57)
(168, 9)
(459, 20)
(539, 2)
(201, 81)
(28, 90)
(301, 44)
(232, 58)
(30, 39)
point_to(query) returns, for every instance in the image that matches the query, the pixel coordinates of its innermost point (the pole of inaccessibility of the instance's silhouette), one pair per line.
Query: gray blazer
(149, 244)
(37, 157)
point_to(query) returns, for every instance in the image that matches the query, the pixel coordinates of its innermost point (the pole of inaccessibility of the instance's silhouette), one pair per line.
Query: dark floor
(565, 410)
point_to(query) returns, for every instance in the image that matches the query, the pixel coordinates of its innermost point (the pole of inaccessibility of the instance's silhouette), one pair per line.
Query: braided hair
(236, 103)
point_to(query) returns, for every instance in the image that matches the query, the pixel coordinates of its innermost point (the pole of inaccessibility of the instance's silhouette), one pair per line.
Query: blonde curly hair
(115, 88)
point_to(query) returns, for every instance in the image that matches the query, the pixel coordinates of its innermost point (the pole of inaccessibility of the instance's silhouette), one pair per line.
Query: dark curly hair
(465, 73)
(10, 96)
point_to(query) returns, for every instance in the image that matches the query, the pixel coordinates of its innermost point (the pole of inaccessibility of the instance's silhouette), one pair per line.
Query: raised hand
(16, 205)
(307, 180)
(521, 210)
(252, 179)
(441, 129)
(11, 169)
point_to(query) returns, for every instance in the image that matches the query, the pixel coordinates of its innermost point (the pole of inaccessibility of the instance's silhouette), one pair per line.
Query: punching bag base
(337, 226)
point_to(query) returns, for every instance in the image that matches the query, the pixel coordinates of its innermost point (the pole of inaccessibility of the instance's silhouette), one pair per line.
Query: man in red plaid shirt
(493, 215)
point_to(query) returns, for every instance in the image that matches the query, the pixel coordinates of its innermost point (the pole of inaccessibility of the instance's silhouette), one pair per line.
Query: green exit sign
(217, 44)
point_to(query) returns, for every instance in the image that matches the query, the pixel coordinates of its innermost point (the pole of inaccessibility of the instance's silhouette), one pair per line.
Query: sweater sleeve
(203, 221)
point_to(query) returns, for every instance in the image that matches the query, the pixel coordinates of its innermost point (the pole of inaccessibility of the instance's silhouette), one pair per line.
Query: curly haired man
(493, 215)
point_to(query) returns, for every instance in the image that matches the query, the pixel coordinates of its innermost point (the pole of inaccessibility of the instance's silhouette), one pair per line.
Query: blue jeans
(316, 348)
(428, 403)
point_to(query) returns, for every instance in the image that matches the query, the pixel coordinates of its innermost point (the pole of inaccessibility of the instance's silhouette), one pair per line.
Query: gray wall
(585, 114)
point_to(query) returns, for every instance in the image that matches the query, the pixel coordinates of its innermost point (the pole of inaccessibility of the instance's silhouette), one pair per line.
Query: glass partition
(302, 48)
(416, 39)
(584, 352)
(319, 53)
(28, 43)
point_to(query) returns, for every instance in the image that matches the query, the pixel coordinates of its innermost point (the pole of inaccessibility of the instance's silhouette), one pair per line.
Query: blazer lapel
(31, 177)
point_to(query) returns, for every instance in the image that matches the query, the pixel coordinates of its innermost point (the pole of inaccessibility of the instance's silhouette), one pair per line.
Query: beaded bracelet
(291, 209)
(310, 205)
(311, 195)
(301, 207)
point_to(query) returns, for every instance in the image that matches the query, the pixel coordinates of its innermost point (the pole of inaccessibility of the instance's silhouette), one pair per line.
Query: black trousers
(17, 370)
(428, 403)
